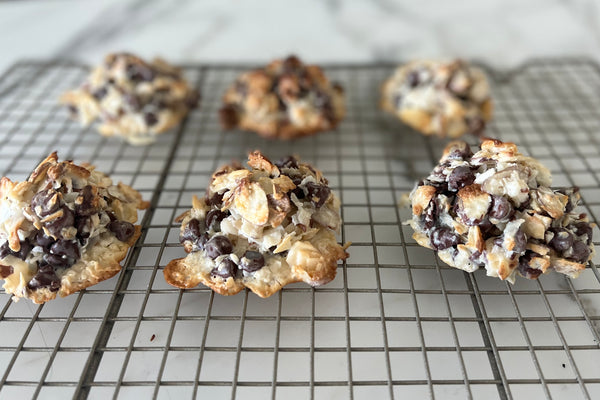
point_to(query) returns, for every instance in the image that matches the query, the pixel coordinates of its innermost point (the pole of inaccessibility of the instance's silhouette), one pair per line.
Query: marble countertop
(502, 33)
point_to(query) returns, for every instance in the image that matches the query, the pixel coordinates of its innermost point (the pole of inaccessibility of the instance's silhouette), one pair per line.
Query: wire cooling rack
(395, 322)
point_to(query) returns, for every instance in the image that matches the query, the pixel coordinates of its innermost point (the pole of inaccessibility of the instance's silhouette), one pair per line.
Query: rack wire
(395, 323)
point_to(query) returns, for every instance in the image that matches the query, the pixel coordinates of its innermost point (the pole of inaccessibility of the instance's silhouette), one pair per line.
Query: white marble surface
(502, 33)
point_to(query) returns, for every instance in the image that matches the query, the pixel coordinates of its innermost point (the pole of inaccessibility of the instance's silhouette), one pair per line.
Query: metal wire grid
(394, 323)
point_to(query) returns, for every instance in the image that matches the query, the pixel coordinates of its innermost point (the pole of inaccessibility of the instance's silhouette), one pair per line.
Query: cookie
(261, 228)
(65, 228)
(446, 99)
(132, 98)
(495, 209)
(284, 100)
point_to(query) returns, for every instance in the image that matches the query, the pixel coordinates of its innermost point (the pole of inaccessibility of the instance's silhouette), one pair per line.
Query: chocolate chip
(150, 118)
(318, 194)
(56, 226)
(216, 199)
(84, 205)
(287, 162)
(100, 93)
(461, 152)
(214, 218)
(65, 248)
(581, 252)
(322, 100)
(42, 240)
(520, 242)
(57, 261)
(252, 261)
(413, 79)
(443, 238)
(525, 270)
(5, 271)
(430, 214)
(229, 116)
(132, 101)
(123, 230)
(581, 229)
(562, 239)
(139, 72)
(217, 246)
(226, 269)
(194, 232)
(501, 208)
(45, 202)
(45, 278)
(23, 252)
(460, 177)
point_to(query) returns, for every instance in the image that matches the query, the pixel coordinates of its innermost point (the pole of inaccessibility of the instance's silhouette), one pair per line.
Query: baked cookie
(495, 209)
(446, 99)
(260, 228)
(132, 98)
(65, 228)
(286, 99)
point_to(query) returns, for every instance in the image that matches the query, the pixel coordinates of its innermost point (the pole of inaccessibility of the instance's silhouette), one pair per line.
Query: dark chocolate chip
(73, 110)
(65, 248)
(45, 278)
(24, 251)
(66, 220)
(413, 79)
(84, 206)
(216, 199)
(460, 177)
(42, 240)
(252, 261)
(229, 116)
(581, 229)
(443, 238)
(501, 208)
(520, 242)
(287, 162)
(581, 252)
(123, 230)
(150, 118)
(194, 232)
(217, 246)
(100, 93)
(132, 101)
(45, 202)
(463, 152)
(57, 261)
(318, 194)
(214, 218)
(226, 269)
(139, 72)
(562, 239)
(525, 270)
(430, 214)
